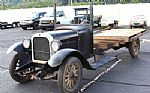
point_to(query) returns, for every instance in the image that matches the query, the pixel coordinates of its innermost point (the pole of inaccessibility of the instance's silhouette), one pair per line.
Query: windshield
(106, 19)
(32, 15)
(51, 14)
(138, 17)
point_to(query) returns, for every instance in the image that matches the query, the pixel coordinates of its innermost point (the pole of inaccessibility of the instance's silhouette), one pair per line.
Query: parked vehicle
(63, 53)
(9, 23)
(47, 22)
(32, 20)
(109, 22)
(138, 21)
(82, 16)
(8, 19)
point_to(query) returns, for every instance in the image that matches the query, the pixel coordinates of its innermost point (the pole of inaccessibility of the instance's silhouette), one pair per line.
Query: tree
(134, 1)
(122, 1)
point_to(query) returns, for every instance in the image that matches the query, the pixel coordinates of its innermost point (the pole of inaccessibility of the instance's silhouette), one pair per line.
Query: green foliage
(122, 1)
(11, 4)
(80, 3)
(135, 1)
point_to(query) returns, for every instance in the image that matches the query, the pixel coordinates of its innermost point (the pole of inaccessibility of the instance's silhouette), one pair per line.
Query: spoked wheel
(19, 77)
(134, 48)
(69, 75)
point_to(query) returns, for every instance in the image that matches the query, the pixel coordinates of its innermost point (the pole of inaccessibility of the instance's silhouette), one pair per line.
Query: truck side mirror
(61, 15)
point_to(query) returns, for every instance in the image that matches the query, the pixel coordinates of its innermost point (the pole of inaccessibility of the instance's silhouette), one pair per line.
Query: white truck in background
(62, 17)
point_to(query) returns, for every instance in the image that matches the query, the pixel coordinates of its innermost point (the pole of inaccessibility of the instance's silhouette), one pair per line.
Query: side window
(61, 13)
(41, 14)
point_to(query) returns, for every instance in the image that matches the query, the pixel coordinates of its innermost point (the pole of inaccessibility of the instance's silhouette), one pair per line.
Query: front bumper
(136, 24)
(46, 26)
(26, 24)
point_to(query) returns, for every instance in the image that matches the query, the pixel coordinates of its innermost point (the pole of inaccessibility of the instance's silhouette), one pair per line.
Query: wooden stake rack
(116, 37)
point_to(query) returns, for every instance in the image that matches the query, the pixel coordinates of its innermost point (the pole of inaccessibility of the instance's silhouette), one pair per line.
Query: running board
(103, 61)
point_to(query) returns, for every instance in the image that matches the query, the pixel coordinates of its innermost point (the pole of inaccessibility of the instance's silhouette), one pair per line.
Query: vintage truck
(61, 54)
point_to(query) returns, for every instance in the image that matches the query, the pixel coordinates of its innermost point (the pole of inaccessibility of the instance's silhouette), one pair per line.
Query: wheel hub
(71, 76)
(135, 46)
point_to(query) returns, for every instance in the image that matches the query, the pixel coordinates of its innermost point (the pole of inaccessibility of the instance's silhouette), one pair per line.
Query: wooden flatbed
(116, 37)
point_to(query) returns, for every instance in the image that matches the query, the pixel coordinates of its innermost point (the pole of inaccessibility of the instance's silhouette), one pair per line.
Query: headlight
(26, 43)
(131, 22)
(51, 21)
(55, 45)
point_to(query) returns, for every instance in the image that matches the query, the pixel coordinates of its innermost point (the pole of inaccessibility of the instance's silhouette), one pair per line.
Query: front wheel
(69, 75)
(134, 48)
(115, 25)
(19, 77)
(35, 26)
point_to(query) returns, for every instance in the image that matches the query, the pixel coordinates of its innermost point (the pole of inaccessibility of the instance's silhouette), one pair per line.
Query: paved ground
(129, 76)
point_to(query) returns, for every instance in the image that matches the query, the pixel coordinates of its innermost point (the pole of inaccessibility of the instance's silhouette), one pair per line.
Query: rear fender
(23, 54)
(58, 58)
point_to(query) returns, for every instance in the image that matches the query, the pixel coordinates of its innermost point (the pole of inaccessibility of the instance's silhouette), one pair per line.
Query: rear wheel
(134, 48)
(69, 75)
(18, 24)
(14, 25)
(19, 77)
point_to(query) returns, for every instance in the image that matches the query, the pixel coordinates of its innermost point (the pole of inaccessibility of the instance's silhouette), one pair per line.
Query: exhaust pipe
(55, 16)
(91, 24)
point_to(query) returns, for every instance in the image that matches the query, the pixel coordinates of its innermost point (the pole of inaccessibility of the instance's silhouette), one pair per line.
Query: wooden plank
(108, 41)
(119, 34)
(115, 37)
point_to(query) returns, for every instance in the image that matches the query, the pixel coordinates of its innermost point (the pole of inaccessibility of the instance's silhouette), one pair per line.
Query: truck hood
(63, 32)
(47, 18)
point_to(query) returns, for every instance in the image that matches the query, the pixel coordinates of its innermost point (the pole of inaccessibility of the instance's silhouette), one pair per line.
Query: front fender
(59, 57)
(23, 54)
(14, 47)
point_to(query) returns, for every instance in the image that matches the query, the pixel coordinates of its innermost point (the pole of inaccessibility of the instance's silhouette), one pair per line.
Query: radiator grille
(41, 49)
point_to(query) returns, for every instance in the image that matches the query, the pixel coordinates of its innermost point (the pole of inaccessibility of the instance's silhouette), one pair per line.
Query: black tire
(131, 27)
(18, 24)
(19, 77)
(5, 27)
(69, 75)
(13, 25)
(134, 48)
(144, 26)
(35, 26)
(115, 25)
(24, 28)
